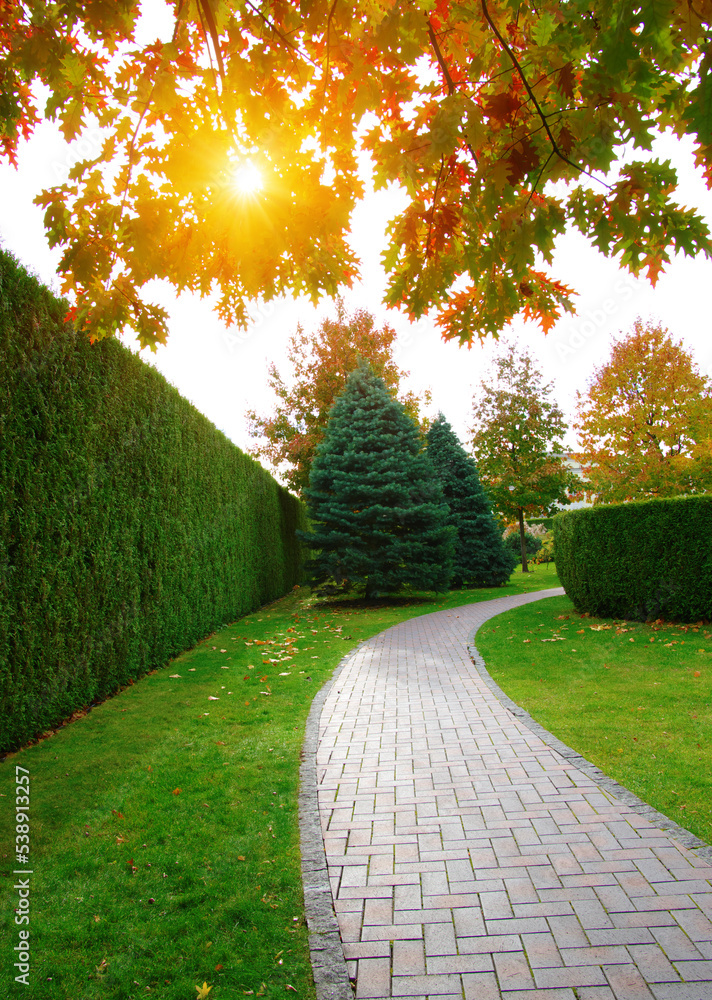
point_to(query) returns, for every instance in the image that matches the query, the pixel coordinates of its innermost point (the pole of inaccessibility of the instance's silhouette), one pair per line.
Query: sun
(247, 178)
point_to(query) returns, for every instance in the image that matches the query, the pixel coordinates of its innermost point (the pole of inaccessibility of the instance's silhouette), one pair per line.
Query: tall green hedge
(130, 527)
(644, 560)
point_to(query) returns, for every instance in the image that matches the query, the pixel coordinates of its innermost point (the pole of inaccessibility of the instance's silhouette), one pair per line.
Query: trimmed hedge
(130, 527)
(643, 560)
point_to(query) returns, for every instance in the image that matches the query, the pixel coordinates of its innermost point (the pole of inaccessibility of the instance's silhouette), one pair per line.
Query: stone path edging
(331, 977)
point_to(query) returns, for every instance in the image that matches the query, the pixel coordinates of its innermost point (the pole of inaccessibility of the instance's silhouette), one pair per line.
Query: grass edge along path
(634, 699)
(163, 825)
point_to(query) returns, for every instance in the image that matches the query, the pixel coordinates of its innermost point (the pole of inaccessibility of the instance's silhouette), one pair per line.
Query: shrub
(512, 540)
(545, 553)
(130, 528)
(644, 560)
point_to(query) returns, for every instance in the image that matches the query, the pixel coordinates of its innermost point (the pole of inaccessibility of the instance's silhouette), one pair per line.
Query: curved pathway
(468, 858)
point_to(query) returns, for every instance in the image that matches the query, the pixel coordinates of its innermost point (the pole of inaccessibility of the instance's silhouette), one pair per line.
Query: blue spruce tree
(374, 501)
(481, 558)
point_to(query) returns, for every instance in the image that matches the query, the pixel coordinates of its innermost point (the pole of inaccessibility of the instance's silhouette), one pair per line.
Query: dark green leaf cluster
(514, 544)
(643, 560)
(481, 558)
(130, 528)
(377, 511)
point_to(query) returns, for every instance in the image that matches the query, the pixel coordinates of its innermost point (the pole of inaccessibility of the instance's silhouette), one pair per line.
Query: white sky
(223, 372)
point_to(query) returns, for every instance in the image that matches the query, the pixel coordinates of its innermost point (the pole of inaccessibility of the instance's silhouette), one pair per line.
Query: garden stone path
(472, 855)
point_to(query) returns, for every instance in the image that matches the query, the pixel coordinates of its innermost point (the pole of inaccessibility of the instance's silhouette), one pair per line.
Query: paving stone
(679, 991)
(574, 976)
(408, 958)
(675, 943)
(513, 972)
(373, 978)
(695, 971)
(428, 986)
(480, 986)
(542, 951)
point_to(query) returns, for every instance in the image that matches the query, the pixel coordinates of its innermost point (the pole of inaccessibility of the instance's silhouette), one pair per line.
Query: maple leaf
(203, 991)
(567, 79)
(502, 107)
(521, 161)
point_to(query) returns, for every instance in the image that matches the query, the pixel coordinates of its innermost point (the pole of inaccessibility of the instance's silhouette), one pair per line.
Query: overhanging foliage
(474, 108)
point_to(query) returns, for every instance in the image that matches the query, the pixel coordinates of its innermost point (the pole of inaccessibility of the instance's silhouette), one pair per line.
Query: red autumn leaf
(567, 79)
(502, 107)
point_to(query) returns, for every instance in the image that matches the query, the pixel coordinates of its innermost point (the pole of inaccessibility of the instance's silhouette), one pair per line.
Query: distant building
(575, 466)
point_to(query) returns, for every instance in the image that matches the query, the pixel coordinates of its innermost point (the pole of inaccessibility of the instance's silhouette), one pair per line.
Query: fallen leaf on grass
(174, 675)
(176, 791)
(290, 987)
(211, 697)
(599, 628)
(557, 638)
(203, 991)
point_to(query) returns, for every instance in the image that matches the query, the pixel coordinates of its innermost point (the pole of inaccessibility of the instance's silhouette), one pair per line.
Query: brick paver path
(470, 860)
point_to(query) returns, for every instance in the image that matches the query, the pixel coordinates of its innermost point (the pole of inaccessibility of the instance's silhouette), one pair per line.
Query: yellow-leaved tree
(645, 421)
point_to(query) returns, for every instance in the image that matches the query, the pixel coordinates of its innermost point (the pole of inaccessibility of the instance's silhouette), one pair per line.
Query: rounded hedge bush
(642, 560)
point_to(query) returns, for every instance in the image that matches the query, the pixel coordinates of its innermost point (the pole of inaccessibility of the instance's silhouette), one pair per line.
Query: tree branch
(448, 78)
(432, 210)
(554, 145)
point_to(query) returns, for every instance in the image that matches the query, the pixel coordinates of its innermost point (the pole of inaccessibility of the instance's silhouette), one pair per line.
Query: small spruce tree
(481, 558)
(374, 501)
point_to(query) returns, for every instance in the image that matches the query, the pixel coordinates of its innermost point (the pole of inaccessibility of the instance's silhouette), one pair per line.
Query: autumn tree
(225, 155)
(481, 558)
(518, 442)
(375, 505)
(321, 363)
(645, 421)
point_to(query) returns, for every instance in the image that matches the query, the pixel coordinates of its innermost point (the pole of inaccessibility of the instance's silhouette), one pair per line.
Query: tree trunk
(522, 541)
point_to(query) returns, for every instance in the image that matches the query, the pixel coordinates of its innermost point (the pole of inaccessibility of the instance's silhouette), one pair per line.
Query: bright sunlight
(248, 179)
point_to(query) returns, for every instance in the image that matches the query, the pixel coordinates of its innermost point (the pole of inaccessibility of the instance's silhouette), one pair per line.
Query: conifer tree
(376, 506)
(481, 558)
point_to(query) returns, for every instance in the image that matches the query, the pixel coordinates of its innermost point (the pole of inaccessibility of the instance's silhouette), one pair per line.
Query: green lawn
(163, 824)
(635, 699)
